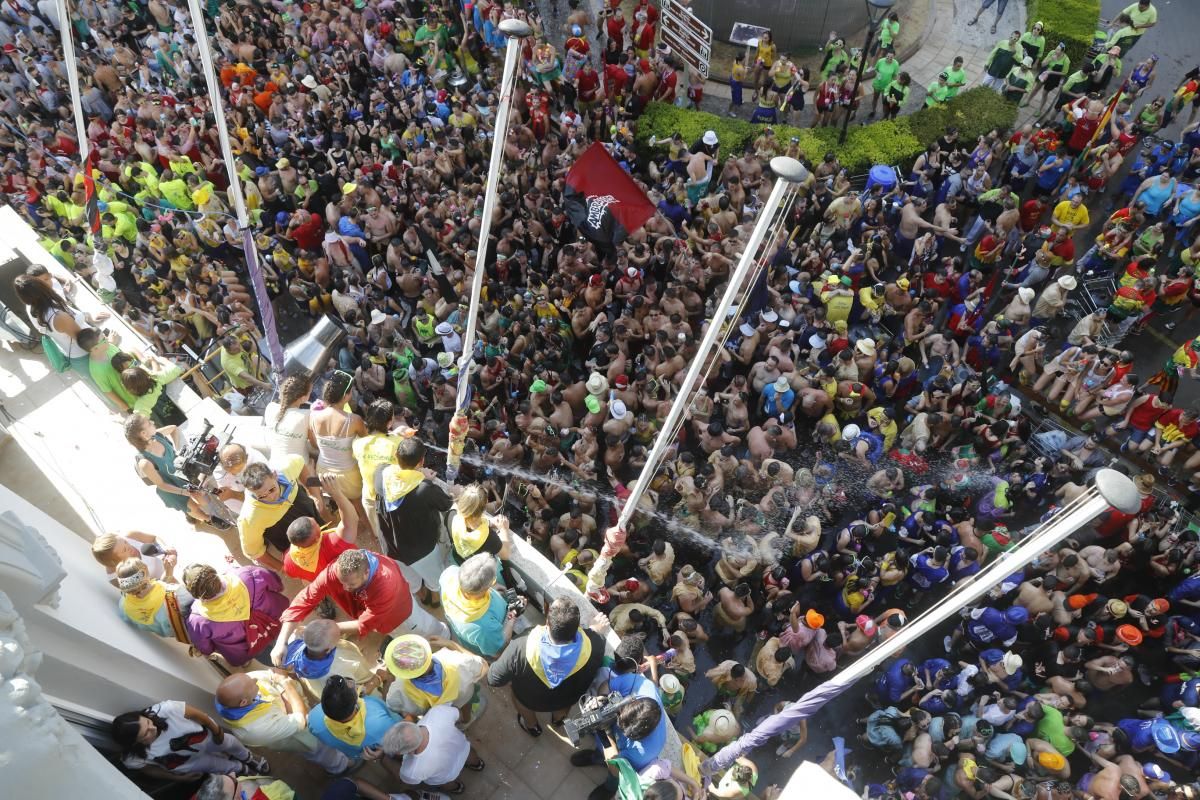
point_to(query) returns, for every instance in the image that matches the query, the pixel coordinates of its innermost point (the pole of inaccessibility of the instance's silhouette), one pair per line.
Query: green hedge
(899, 141)
(1070, 21)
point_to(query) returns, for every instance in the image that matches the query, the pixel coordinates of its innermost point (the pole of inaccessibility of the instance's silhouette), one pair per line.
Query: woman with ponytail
(332, 429)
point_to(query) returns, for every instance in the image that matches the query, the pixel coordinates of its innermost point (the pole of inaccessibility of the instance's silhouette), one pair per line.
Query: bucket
(881, 175)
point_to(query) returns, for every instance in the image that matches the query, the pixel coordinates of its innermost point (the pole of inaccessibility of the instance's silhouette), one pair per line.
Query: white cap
(1025, 293)
(617, 409)
(709, 138)
(378, 317)
(851, 431)
(747, 329)
(770, 316)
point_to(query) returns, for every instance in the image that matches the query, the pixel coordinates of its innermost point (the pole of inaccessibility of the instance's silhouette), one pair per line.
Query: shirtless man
(733, 607)
(911, 225)
(764, 372)
(1109, 672)
(1110, 782)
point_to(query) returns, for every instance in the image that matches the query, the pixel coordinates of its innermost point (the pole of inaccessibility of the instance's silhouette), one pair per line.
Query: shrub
(1070, 21)
(897, 141)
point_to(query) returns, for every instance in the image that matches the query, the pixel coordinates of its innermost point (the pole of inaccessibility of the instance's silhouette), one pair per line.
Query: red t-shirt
(615, 78)
(332, 546)
(1031, 212)
(382, 605)
(1145, 415)
(308, 235)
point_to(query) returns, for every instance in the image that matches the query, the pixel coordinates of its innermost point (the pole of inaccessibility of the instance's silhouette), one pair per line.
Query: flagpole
(68, 43)
(790, 172)
(516, 30)
(249, 249)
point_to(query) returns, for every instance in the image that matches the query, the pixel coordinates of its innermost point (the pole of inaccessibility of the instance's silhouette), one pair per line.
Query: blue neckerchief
(431, 683)
(299, 662)
(238, 712)
(372, 568)
(559, 659)
(285, 488)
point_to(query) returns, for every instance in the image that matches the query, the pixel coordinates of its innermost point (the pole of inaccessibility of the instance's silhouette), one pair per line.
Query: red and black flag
(91, 203)
(602, 201)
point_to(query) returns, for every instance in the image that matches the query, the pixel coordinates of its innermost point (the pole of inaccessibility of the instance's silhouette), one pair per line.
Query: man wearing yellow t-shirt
(273, 500)
(1071, 215)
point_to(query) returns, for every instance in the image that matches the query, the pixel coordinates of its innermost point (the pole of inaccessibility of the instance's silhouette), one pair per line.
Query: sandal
(476, 767)
(535, 731)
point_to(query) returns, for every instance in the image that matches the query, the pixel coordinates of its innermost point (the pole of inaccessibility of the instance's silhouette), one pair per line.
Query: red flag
(91, 202)
(602, 201)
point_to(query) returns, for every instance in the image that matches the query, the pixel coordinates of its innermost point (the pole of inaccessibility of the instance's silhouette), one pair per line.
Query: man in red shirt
(313, 548)
(309, 233)
(614, 26)
(668, 78)
(587, 81)
(371, 589)
(1061, 247)
(616, 79)
(1031, 212)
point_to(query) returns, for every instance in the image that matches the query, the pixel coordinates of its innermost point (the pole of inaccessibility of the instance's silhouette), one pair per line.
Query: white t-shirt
(171, 712)
(226, 480)
(287, 436)
(444, 756)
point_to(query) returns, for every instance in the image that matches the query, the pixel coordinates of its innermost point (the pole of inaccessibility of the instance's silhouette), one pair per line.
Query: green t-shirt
(176, 191)
(1074, 81)
(956, 78)
(888, 31)
(1139, 17)
(885, 73)
(1057, 63)
(1035, 46)
(234, 365)
(145, 404)
(1052, 729)
(106, 378)
(936, 94)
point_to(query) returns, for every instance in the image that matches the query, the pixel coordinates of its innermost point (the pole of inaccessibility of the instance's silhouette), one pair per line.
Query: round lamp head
(789, 169)
(519, 29)
(1118, 490)
(878, 9)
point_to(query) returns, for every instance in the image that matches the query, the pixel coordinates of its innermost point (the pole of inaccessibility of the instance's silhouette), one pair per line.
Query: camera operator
(155, 464)
(641, 730)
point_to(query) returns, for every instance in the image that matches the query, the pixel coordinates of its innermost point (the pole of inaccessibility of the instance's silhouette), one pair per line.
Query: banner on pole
(602, 201)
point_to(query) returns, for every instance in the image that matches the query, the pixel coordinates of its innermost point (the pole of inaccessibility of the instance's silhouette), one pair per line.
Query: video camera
(599, 713)
(199, 459)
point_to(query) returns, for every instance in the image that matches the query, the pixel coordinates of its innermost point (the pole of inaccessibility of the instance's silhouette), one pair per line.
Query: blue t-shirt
(484, 636)
(990, 626)
(642, 752)
(925, 574)
(895, 683)
(1058, 167)
(379, 719)
(774, 403)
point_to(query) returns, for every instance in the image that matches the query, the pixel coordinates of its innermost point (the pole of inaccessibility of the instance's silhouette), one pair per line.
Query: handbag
(58, 360)
(261, 630)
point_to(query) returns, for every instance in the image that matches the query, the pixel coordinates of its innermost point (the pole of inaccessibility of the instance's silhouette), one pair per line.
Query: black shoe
(601, 792)
(585, 758)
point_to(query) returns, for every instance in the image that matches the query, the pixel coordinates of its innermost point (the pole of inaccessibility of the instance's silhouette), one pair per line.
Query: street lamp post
(876, 11)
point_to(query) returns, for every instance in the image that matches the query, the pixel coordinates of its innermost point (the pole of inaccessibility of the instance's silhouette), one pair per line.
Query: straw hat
(781, 384)
(408, 656)
(1068, 282)
(865, 346)
(597, 384)
(723, 723)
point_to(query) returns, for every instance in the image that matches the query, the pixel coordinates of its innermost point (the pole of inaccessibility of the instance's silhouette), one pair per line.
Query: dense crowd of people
(922, 372)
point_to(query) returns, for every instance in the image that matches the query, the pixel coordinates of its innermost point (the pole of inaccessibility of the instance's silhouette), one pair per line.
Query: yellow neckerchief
(458, 606)
(424, 699)
(352, 732)
(467, 541)
(143, 610)
(307, 558)
(232, 606)
(533, 653)
(275, 790)
(399, 482)
(264, 702)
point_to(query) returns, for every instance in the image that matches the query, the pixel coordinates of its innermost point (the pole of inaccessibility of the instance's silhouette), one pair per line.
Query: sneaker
(258, 765)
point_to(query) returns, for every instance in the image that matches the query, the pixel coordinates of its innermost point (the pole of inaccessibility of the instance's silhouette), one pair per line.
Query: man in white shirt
(234, 459)
(433, 751)
(265, 709)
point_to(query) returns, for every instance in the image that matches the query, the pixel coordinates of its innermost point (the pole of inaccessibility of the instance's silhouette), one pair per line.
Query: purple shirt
(229, 638)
